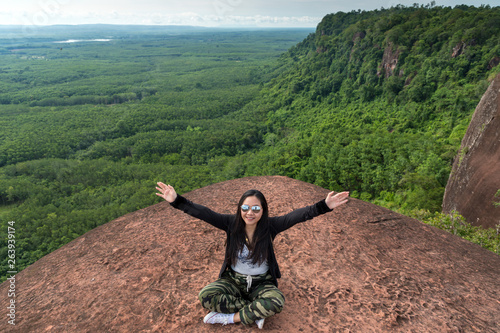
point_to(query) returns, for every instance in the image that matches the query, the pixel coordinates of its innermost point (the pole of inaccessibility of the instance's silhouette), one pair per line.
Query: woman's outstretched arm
(332, 200)
(201, 212)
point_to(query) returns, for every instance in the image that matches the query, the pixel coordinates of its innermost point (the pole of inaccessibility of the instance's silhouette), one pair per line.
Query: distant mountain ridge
(117, 30)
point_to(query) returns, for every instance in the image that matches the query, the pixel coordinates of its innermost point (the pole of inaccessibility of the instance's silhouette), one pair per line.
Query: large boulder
(360, 268)
(475, 176)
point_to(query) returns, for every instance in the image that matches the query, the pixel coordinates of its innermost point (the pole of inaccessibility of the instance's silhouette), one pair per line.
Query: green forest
(374, 102)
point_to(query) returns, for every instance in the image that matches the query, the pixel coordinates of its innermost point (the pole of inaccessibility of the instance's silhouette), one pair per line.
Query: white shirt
(244, 264)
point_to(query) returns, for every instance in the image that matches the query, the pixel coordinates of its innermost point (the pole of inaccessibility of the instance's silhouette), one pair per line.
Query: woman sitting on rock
(247, 288)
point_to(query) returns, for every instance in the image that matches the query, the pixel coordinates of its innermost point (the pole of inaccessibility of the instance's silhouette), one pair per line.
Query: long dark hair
(260, 243)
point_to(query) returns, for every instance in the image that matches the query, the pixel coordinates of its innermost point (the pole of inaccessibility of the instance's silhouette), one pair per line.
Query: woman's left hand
(334, 200)
(167, 192)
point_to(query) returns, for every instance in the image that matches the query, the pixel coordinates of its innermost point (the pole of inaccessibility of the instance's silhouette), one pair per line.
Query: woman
(247, 288)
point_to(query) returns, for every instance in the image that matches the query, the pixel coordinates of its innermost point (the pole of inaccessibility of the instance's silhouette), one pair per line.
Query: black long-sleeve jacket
(276, 225)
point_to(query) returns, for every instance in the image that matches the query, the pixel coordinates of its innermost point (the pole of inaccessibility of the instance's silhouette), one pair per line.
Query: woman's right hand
(167, 192)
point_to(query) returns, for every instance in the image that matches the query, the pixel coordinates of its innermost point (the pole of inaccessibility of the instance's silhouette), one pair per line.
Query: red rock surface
(360, 268)
(475, 176)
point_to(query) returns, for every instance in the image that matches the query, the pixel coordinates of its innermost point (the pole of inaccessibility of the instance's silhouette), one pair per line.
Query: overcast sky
(260, 13)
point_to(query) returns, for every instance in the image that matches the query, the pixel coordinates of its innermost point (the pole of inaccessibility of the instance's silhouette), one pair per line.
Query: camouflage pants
(232, 293)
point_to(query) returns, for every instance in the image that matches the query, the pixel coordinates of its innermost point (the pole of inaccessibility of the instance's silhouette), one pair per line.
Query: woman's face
(251, 216)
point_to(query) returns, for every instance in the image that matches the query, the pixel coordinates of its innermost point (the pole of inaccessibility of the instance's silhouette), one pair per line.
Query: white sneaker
(260, 323)
(217, 318)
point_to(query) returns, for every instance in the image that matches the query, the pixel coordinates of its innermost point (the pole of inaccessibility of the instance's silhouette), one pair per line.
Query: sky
(209, 13)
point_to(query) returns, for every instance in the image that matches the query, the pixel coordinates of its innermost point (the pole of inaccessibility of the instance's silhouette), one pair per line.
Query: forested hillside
(372, 102)
(378, 102)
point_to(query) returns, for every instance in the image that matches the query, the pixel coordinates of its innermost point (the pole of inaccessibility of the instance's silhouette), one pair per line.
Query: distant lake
(83, 40)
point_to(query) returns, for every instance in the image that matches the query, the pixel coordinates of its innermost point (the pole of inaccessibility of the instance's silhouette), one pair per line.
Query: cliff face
(360, 268)
(389, 61)
(475, 176)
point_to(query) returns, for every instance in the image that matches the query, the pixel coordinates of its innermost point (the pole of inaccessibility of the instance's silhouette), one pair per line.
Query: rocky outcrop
(495, 61)
(360, 268)
(358, 36)
(458, 49)
(475, 176)
(389, 61)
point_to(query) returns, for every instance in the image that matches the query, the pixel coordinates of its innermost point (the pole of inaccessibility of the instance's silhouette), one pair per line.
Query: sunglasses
(246, 208)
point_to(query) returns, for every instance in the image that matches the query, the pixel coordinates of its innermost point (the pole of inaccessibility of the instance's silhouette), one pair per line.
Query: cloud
(230, 13)
(274, 21)
(53, 14)
(232, 20)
